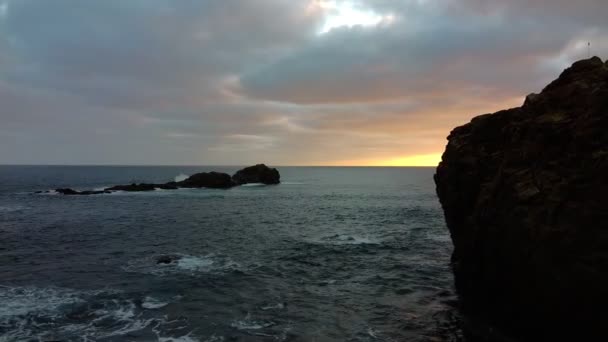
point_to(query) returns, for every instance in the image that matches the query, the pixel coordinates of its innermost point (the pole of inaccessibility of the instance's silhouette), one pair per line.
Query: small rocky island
(259, 173)
(524, 196)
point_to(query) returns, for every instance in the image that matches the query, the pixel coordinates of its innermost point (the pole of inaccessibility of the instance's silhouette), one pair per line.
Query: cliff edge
(524, 192)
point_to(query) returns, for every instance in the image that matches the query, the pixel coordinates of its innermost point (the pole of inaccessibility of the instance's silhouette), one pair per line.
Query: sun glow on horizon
(416, 160)
(421, 160)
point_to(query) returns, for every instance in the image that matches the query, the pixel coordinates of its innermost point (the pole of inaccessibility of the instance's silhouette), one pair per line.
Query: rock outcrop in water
(524, 195)
(214, 180)
(259, 173)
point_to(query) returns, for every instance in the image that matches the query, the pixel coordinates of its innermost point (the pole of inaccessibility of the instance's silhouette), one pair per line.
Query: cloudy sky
(285, 82)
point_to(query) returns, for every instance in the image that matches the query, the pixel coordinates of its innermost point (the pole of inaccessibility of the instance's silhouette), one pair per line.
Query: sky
(284, 82)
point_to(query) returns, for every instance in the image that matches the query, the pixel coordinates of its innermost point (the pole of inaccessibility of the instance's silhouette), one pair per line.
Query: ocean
(330, 254)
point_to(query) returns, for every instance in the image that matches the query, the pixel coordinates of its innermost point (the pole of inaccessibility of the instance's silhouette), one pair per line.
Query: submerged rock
(259, 173)
(523, 191)
(167, 259)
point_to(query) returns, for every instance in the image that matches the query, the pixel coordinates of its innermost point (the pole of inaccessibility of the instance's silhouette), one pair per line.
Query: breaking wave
(64, 314)
(181, 177)
(344, 239)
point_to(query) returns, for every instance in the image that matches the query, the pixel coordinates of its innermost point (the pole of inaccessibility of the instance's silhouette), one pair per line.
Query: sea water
(330, 254)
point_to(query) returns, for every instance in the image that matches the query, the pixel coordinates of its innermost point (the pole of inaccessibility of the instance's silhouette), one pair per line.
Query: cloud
(409, 59)
(278, 81)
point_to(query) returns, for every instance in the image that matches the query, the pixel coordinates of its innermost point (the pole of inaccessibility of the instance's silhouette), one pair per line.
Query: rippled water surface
(331, 254)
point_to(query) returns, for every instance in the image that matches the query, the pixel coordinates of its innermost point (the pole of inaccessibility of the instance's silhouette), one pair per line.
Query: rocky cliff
(524, 192)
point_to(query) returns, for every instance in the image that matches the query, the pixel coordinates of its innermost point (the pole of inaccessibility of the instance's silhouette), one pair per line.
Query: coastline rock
(259, 173)
(68, 191)
(133, 187)
(215, 180)
(523, 192)
(168, 186)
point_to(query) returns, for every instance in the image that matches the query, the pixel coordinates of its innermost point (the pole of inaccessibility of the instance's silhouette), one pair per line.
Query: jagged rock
(67, 191)
(133, 187)
(523, 192)
(216, 180)
(254, 174)
(168, 186)
(259, 173)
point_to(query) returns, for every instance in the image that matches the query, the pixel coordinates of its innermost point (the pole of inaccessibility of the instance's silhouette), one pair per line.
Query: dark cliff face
(525, 196)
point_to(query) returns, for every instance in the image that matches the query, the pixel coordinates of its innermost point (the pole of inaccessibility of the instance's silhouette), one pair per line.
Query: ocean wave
(186, 338)
(50, 192)
(181, 177)
(64, 314)
(249, 324)
(346, 239)
(249, 185)
(153, 303)
(12, 208)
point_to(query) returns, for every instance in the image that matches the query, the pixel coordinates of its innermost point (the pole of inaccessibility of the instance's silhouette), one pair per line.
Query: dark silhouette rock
(94, 192)
(254, 174)
(67, 191)
(133, 187)
(168, 186)
(167, 259)
(216, 180)
(524, 196)
(259, 173)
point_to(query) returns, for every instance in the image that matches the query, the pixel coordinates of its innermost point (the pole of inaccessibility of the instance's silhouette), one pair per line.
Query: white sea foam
(187, 264)
(153, 303)
(185, 338)
(248, 324)
(181, 177)
(248, 185)
(372, 333)
(12, 208)
(21, 301)
(32, 312)
(344, 239)
(194, 263)
(50, 192)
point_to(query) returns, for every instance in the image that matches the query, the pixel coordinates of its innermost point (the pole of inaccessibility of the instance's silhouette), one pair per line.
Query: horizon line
(217, 165)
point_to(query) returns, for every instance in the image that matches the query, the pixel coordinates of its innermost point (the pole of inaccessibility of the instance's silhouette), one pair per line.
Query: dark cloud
(233, 82)
(413, 59)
